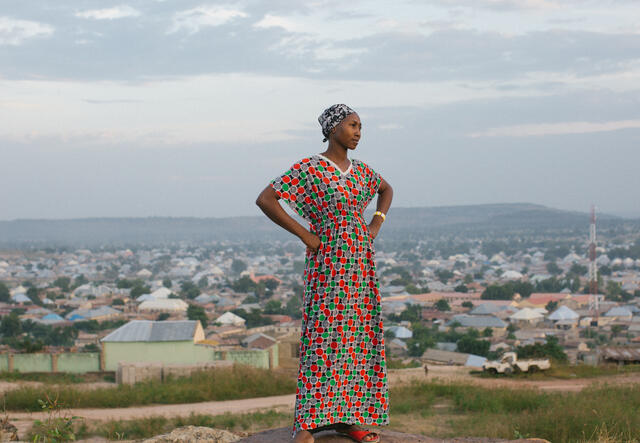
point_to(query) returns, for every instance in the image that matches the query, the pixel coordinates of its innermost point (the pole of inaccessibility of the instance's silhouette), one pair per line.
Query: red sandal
(359, 435)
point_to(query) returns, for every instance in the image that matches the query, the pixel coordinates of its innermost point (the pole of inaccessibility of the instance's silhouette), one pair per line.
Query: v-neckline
(336, 166)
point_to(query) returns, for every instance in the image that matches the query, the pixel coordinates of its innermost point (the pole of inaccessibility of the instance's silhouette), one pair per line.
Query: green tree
(138, 290)
(487, 332)
(163, 316)
(467, 304)
(117, 302)
(497, 292)
(461, 288)
(195, 312)
(203, 282)
(551, 306)
(34, 296)
(442, 305)
(189, 289)
(471, 345)
(444, 275)
(5, 295)
(468, 279)
(550, 349)
(10, 325)
(273, 307)
(253, 318)
(238, 266)
(80, 280)
(293, 307)
(62, 283)
(166, 282)
(244, 284)
(271, 284)
(553, 268)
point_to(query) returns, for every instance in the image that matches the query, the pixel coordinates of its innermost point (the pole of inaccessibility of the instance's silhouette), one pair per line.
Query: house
(400, 332)
(156, 341)
(229, 318)
(453, 358)
(164, 305)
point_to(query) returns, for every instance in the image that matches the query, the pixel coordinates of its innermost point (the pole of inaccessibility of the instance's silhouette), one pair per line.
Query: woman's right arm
(268, 202)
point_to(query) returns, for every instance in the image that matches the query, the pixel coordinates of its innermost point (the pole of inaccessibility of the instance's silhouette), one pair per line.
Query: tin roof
(620, 354)
(151, 331)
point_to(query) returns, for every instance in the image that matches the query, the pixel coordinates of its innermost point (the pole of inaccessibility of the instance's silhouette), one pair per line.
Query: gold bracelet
(381, 214)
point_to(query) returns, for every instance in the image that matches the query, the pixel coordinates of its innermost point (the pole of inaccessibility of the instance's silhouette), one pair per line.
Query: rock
(283, 435)
(8, 432)
(199, 434)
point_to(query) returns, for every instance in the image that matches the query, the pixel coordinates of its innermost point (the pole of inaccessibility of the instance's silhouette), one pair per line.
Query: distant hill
(402, 223)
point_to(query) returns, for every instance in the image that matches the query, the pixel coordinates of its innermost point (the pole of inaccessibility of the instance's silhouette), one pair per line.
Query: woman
(342, 380)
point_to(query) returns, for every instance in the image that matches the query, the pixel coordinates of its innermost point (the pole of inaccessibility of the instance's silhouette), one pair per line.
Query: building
(156, 341)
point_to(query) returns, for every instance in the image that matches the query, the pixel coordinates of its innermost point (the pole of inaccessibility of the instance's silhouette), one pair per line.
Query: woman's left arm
(385, 195)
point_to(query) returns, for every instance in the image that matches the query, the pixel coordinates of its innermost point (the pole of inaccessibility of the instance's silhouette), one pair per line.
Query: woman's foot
(303, 437)
(364, 436)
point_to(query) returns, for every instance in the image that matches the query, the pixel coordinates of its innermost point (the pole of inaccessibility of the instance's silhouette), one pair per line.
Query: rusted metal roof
(620, 354)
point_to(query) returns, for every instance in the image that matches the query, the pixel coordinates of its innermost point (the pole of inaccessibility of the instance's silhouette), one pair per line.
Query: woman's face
(347, 133)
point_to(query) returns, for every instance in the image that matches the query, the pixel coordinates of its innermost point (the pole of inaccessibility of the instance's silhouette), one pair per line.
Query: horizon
(585, 213)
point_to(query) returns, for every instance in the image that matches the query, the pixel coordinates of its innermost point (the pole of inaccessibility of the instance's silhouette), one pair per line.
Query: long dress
(342, 375)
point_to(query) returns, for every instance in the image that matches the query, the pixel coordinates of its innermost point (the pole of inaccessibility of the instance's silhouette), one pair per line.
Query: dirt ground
(24, 420)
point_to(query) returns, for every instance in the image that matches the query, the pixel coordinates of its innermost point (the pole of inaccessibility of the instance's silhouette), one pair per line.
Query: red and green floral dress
(343, 375)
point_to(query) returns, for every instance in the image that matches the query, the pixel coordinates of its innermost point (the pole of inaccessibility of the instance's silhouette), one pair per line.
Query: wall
(183, 352)
(79, 363)
(32, 362)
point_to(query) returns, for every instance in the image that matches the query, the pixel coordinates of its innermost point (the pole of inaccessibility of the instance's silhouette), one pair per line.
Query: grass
(570, 372)
(474, 411)
(403, 364)
(601, 413)
(218, 384)
(148, 427)
(57, 377)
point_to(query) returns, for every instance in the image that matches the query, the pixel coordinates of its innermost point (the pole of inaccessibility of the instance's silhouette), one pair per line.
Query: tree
(577, 270)
(238, 266)
(470, 345)
(138, 290)
(5, 295)
(461, 288)
(189, 289)
(253, 318)
(467, 304)
(487, 332)
(10, 325)
(442, 305)
(273, 307)
(166, 282)
(550, 349)
(468, 279)
(271, 284)
(32, 293)
(444, 275)
(195, 312)
(163, 316)
(553, 268)
(62, 283)
(551, 306)
(117, 302)
(497, 292)
(293, 307)
(203, 282)
(244, 285)
(80, 280)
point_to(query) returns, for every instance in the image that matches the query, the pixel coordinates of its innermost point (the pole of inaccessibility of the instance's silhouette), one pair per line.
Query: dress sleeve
(372, 184)
(292, 187)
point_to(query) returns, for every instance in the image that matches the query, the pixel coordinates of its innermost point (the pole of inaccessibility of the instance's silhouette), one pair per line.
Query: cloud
(192, 20)
(274, 21)
(534, 130)
(14, 32)
(502, 5)
(114, 13)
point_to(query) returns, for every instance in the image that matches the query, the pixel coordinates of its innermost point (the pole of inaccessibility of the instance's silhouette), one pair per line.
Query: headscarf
(331, 117)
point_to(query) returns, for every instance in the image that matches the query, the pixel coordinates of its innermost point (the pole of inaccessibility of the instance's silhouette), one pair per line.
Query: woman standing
(342, 380)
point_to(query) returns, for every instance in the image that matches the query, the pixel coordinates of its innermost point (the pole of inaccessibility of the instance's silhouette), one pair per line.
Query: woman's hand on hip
(312, 242)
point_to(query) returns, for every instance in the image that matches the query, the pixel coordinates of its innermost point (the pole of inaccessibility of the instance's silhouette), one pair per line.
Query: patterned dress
(343, 375)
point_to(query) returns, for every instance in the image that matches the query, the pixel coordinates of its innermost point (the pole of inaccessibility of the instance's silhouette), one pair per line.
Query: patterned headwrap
(331, 117)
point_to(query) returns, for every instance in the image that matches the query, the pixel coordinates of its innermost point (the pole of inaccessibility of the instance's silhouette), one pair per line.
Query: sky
(189, 108)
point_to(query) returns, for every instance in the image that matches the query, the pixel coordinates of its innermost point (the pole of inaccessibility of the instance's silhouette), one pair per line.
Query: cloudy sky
(189, 108)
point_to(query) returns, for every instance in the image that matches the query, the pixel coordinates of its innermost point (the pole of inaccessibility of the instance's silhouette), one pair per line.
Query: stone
(197, 434)
(283, 435)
